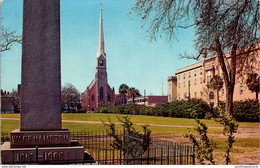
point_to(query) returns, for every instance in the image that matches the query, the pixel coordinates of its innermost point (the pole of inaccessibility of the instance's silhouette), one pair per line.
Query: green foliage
(253, 83)
(133, 143)
(195, 108)
(204, 147)
(230, 127)
(247, 110)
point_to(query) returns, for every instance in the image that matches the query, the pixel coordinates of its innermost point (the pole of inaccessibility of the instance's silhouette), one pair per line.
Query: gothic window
(183, 75)
(93, 97)
(201, 94)
(200, 71)
(222, 91)
(195, 95)
(195, 82)
(189, 74)
(108, 98)
(101, 62)
(101, 93)
(195, 73)
(201, 80)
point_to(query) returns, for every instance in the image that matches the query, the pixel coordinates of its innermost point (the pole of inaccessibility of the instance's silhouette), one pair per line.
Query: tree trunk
(217, 97)
(124, 99)
(256, 95)
(133, 100)
(229, 100)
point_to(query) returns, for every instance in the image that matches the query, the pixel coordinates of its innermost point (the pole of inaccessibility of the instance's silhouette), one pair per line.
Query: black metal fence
(98, 144)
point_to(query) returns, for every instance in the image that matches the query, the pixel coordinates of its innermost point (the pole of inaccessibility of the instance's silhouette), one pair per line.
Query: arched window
(101, 62)
(101, 93)
(108, 98)
(93, 97)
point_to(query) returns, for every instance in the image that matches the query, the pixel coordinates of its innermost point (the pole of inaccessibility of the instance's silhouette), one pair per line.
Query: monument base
(75, 152)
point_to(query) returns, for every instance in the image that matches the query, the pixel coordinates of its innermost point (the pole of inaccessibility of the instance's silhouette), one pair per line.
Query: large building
(194, 82)
(98, 93)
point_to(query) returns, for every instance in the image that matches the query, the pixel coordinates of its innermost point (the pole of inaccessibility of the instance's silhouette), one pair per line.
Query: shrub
(247, 110)
(183, 109)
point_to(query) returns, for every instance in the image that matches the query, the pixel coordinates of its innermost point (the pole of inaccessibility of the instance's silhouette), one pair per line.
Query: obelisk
(40, 137)
(41, 79)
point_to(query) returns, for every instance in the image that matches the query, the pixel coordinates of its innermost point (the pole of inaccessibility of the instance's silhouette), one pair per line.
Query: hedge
(248, 110)
(182, 109)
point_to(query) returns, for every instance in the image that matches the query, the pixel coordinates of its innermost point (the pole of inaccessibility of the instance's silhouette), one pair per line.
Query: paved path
(155, 125)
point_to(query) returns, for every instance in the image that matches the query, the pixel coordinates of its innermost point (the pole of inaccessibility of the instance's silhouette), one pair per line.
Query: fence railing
(158, 152)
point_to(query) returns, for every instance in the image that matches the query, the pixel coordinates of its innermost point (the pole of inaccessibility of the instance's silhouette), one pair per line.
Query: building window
(200, 71)
(195, 95)
(183, 83)
(93, 97)
(179, 85)
(201, 80)
(195, 73)
(101, 62)
(222, 91)
(241, 90)
(101, 96)
(179, 97)
(189, 74)
(179, 77)
(183, 75)
(194, 81)
(201, 94)
(216, 67)
(108, 98)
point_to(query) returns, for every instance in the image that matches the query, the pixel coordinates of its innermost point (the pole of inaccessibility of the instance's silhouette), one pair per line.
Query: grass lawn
(245, 151)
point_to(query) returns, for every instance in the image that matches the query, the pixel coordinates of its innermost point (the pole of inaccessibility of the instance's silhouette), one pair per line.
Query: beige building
(193, 82)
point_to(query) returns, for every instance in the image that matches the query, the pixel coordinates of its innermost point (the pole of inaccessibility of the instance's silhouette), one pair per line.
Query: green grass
(138, 119)
(9, 125)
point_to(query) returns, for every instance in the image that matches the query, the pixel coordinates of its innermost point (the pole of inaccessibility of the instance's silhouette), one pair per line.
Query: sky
(131, 58)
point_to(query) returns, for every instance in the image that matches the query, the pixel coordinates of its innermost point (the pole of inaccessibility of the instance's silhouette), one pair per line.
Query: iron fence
(98, 144)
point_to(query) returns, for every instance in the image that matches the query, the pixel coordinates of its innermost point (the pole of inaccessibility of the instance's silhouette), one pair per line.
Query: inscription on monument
(25, 157)
(40, 138)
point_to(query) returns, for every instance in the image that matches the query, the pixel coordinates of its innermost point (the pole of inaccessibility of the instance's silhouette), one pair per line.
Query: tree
(229, 29)
(123, 89)
(8, 38)
(16, 100)
(133, 92)
(253, 83)
(70, 96)
(216, 83)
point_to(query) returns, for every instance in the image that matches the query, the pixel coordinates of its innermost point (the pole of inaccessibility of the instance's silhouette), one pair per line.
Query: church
(99, 92)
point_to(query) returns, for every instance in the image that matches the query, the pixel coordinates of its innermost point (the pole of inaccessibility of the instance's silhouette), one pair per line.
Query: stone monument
(41, 137)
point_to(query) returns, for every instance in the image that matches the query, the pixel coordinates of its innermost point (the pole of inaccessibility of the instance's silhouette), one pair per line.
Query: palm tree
(216, 83)
(133, 93)
(253, 83)
(123, 89)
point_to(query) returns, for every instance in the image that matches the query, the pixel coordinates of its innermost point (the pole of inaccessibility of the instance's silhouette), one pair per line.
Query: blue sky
(131, 58)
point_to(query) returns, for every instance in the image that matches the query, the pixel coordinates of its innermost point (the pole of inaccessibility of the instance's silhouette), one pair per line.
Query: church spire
(101, 42)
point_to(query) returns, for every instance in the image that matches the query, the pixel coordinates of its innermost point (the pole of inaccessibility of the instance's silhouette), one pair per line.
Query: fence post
(148, 155)
(36, 154)
(105, 156)
(187, 153)
(155, 155)
(181, 155)
(168, 153)
(193, 155)
(161, 155)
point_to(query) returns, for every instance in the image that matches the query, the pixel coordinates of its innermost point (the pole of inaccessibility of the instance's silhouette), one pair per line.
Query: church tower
(101, 68)
(99, 93)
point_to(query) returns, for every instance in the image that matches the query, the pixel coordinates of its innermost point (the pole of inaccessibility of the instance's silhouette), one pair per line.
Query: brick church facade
(99, 92)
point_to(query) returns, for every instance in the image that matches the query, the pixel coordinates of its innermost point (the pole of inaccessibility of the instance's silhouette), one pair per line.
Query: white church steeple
(101, 42)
